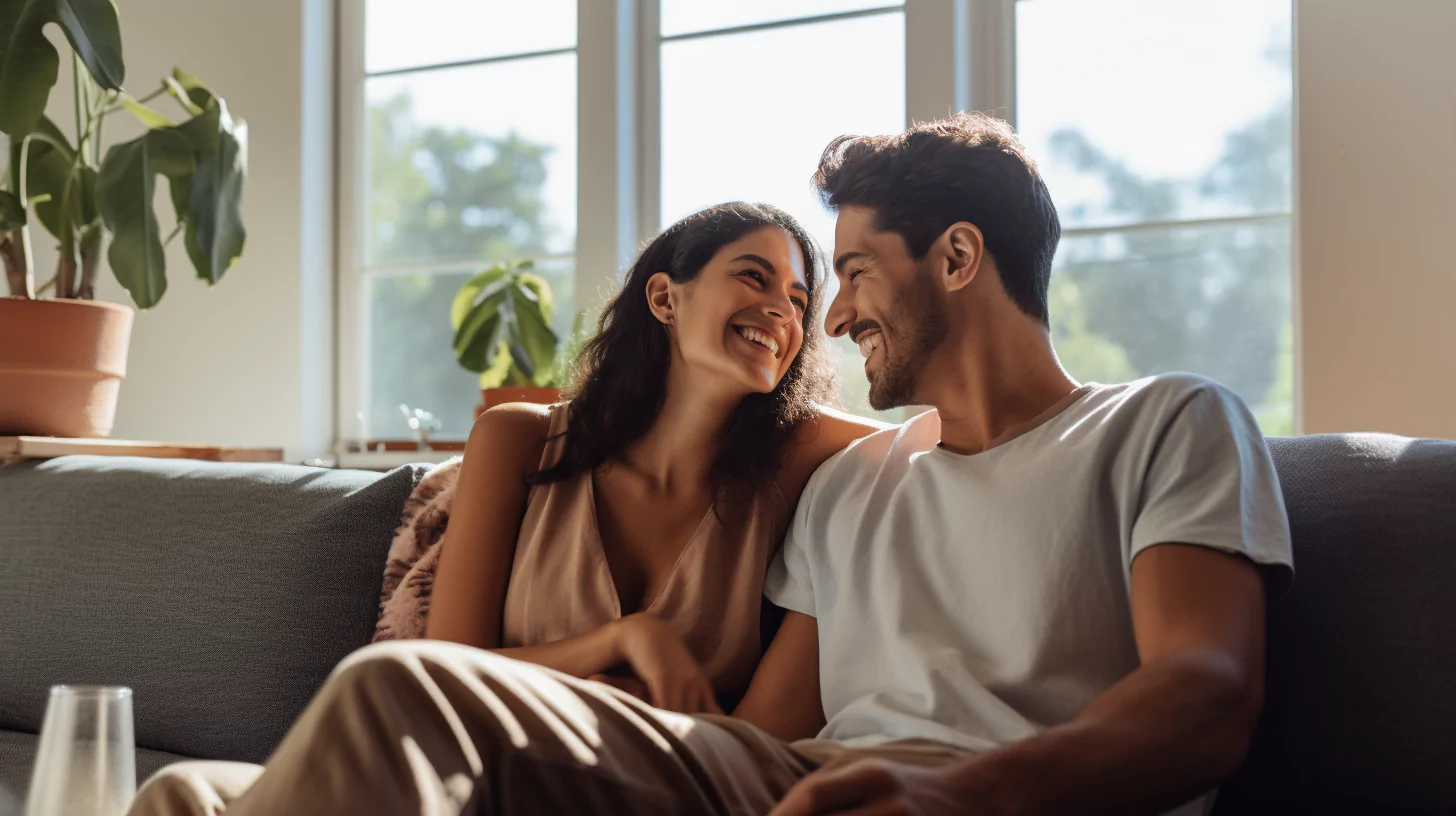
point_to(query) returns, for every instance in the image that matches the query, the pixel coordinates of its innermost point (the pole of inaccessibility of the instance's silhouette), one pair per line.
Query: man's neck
(988, 384)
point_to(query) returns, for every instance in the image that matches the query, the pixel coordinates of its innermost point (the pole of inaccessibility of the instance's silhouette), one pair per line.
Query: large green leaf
(93, 31)
(500, 368)
(205, 129)
(470, 293)
(12, 212)
(532, 333)
(477, 353)
(28, 64)
(475, 338)
(215, 233)
(47, 169)
(125, 192)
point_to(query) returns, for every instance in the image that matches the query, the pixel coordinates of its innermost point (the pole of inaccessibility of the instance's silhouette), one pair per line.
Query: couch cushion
(1360, 711)
(223, 594)
(17, 759)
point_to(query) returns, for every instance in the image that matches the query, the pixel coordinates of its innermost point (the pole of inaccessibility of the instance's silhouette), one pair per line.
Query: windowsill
(388, 460)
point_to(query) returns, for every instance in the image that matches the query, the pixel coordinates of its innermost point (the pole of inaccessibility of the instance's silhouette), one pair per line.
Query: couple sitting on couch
(1042, 597)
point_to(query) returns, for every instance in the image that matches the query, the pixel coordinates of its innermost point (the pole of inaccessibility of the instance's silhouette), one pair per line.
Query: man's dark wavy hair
(970, 167)
(620, 379)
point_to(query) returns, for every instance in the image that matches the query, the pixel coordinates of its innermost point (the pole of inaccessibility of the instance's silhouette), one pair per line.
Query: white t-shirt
(978, 600)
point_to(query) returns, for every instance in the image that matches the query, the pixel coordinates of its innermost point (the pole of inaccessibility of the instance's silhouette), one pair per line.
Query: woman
(624, 535)
(630, 529)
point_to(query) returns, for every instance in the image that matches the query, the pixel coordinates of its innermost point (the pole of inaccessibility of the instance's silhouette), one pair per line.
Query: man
(1062, 580)
(1041, 597)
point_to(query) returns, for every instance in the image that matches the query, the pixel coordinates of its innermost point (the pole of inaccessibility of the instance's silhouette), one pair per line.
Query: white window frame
(959, 55)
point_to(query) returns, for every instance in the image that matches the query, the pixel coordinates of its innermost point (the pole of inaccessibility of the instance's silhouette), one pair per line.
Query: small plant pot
(491, 397)
(61, 365)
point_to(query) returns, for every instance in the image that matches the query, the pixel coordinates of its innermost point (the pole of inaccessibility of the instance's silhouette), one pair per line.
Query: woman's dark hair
(620, 378)
(969, 167)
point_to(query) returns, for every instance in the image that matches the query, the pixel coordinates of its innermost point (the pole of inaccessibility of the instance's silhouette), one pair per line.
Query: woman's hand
(661, 660)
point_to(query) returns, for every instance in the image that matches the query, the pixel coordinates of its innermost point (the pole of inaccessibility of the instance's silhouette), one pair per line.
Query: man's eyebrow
(846, 258)
(766, 264)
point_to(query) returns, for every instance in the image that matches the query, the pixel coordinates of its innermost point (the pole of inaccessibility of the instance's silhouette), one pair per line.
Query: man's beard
(917, 321)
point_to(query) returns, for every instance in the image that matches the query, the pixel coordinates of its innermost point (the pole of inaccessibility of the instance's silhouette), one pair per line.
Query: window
(733, 128)
(1163, 131)
(1162, 128)
(469, 157)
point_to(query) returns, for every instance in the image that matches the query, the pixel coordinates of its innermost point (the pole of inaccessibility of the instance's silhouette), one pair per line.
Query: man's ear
(659, 298)
(964, 247)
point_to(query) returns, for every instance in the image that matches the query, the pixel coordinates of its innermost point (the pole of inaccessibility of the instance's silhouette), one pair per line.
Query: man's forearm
(1167, 732)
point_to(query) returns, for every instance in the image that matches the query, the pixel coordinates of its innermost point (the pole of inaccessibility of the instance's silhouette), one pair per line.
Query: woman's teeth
(759, 337)
(869, 342)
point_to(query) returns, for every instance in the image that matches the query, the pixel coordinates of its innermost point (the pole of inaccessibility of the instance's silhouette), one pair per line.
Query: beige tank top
(561, 585)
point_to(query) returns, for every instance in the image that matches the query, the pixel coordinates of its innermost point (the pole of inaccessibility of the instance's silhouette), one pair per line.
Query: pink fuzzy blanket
(409, 573)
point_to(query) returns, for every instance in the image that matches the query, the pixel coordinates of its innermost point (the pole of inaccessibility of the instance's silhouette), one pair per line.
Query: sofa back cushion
(223, 594)
(1360, 708)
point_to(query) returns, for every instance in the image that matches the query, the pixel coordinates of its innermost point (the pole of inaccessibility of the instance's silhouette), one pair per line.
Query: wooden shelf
(50, 447)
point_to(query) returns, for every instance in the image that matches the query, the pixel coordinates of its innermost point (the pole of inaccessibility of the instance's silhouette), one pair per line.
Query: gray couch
(223, 595)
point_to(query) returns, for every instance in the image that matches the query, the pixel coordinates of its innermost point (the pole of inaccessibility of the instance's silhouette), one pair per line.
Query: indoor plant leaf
(532, 336)
(476, 336)
(47, 169)
(12, 212)
(196, 90)
(124, 193)
(475, 353)
(28, 64)
(469, 294)
(500, 367)
(179, 93)
(214, 224)
(95, 34)
(205, 129)
(146, 115)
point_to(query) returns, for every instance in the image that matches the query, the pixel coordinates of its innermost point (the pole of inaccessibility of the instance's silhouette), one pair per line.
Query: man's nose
(840, 315)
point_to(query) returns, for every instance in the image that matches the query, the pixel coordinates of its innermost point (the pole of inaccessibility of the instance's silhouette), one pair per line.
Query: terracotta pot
(491, 397)
(61, 364)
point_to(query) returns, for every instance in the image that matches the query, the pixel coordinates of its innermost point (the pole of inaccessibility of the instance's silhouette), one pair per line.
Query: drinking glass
(86, 765)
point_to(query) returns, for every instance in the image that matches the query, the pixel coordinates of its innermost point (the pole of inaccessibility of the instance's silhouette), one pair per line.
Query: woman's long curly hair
(620, 378)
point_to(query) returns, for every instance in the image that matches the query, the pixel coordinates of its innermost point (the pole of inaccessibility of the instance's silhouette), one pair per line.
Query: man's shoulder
(1159, 396)
(859, 461)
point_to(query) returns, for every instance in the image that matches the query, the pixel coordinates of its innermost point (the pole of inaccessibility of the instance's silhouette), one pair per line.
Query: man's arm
(1170, 730)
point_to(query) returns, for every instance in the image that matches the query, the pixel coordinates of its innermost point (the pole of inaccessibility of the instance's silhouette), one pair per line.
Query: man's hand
(873, 787)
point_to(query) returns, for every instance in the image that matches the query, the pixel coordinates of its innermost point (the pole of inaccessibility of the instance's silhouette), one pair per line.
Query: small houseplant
(502, 319)
(81, 196)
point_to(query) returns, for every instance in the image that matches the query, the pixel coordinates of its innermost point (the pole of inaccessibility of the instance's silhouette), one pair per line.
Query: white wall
(250, 360)
(1376, 86)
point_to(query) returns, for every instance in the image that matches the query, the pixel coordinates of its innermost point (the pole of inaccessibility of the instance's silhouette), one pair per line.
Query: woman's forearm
(594, 652)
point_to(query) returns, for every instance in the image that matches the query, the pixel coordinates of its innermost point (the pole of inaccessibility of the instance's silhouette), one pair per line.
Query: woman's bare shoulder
(832, 429)
(826, 433)
(512, 435)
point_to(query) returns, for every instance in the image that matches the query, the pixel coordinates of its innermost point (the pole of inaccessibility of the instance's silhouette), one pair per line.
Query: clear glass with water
(86, 764)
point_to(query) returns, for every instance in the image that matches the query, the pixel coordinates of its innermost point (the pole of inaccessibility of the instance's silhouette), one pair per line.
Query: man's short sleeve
(790, 581)
(1211, 482)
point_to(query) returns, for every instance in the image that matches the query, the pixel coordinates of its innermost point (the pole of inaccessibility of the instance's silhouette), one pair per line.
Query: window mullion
(609, 179)
(987, 36)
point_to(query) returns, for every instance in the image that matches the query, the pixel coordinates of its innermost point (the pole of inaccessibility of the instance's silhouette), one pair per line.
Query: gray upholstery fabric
(1360, 710)
(17, 757)
(222, 594)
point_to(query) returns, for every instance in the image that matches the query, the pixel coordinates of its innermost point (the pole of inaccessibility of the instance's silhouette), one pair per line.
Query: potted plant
(62, 357)
(502, 319)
